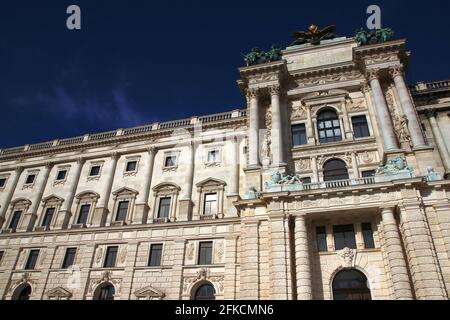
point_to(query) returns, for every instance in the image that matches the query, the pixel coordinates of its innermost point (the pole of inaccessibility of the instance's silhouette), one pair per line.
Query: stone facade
(263, 242)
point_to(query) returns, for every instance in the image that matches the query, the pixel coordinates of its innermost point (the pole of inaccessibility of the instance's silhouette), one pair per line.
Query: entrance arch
(351, 284)
(23, 292)
(105, 291)
(205, 291)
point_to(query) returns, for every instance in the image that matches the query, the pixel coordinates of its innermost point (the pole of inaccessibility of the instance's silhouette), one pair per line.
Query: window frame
(46, 211)
(125, 218)
(63, 265)
(371, 245)
(199, 256)
(106, 259)
(205, 202)
(79, 222)
(29, 264)
(150, 255)
(2, 255)
(5, 183)
(128, 160)
(359, 125)
(324, 238)
(327, 139)
(165, 190)
(14, 213)
(168, 154)
(168, 206)
(345, 238)
(293, 126)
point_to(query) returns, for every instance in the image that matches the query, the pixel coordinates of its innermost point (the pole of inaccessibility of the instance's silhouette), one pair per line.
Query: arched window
(328, 126)
(22, 293)
(205, 292)
(335, 170)
(105, 292)
(351, 285)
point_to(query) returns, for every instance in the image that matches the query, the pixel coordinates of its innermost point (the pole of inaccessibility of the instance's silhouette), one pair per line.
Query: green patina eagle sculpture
(314, 35)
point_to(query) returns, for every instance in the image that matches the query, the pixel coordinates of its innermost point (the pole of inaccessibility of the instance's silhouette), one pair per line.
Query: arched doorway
(105, 291)
(23, 292)
(351, 285)
(205, 292)
(334, 170)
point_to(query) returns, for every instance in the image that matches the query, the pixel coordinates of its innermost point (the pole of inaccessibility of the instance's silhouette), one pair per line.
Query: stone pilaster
(186, 204)
(279, 260)
(253, 135)
(302, 259)
(176, 286)
(45, 267)
(233, 194)
(11, 189)
(63, 218)
(249, 282)
(389, 138)
(355, 168)
(86, 258)
(315, 174)
(101, 211)
(126, 290)
(142, 208)
(423, 264)
(230, 281)
(396, 260)
(414, 126)
(439, 140)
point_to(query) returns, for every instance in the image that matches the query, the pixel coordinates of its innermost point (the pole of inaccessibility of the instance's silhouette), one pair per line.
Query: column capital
(114, 155)
(49, 165)
(19, 169)
(80, 160)
(365, 87)
(274, 90)
(396, 71)
(151, 150)
(372, 74)
(252, 93)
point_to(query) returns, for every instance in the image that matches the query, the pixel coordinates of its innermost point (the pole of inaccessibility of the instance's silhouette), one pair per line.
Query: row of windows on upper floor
(155, 255)
(329, 128)
(131, 166)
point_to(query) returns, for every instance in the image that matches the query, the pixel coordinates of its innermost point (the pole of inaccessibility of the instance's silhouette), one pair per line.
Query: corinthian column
(396, 260)
(253, 135)
(11, 189)
(140, 215)
(385, 121)
(276, 133)
(302, 261)
(64, 214)
(439, 140)
(413, 122)
(31, 216)
(101, 212)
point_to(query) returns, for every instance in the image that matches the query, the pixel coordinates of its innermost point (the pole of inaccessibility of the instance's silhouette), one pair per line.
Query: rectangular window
(368, 174)
(205, 253)
(111, 256)
(213, 156)
(305, 180)
(15, 220)
(155, 255)
(360, 127)
(131, 166)
(299, 135)
(69, 258)
(2, 182)
(61, 175)
(368, 235)
(84, 214)
(30, 179)
(48, 217)
(164, 207)
(2, 253)
(321, 235)
(95, 171)
(32, 259)
(210, 207)
(344, 236)
(122, 211)
(171, 161)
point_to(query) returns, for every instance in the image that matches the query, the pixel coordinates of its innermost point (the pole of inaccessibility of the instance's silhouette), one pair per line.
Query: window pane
(299, 135)
(48, 217)
(61, 175)
(321, 239)
(84, 214)
(368, 235)
(205, 253)
(170, 161)
(368, 174)
(30, 178)
(334, 170)
(32, 259)
(155, 255)
(210, 207)
(164, 207)
(213, 156)
(328, 126)
(111, 256)
(95, 171)
(360, 127)
(15, 220)
(344, 236)
(69, 258)
(131, 166)
(2, 182)
(122, 211)
(1, 256)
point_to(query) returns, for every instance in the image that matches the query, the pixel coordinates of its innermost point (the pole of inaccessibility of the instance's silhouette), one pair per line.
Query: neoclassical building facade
(330, 184)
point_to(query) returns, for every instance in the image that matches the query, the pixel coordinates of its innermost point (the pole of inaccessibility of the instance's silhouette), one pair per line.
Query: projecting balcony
(321, 185)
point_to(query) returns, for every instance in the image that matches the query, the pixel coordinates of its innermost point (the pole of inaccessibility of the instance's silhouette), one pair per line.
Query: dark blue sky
(136, 62)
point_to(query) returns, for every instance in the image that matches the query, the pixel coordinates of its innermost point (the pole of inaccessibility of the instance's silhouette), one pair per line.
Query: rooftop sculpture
(257, 56)
(314, 36)
(382, 35)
